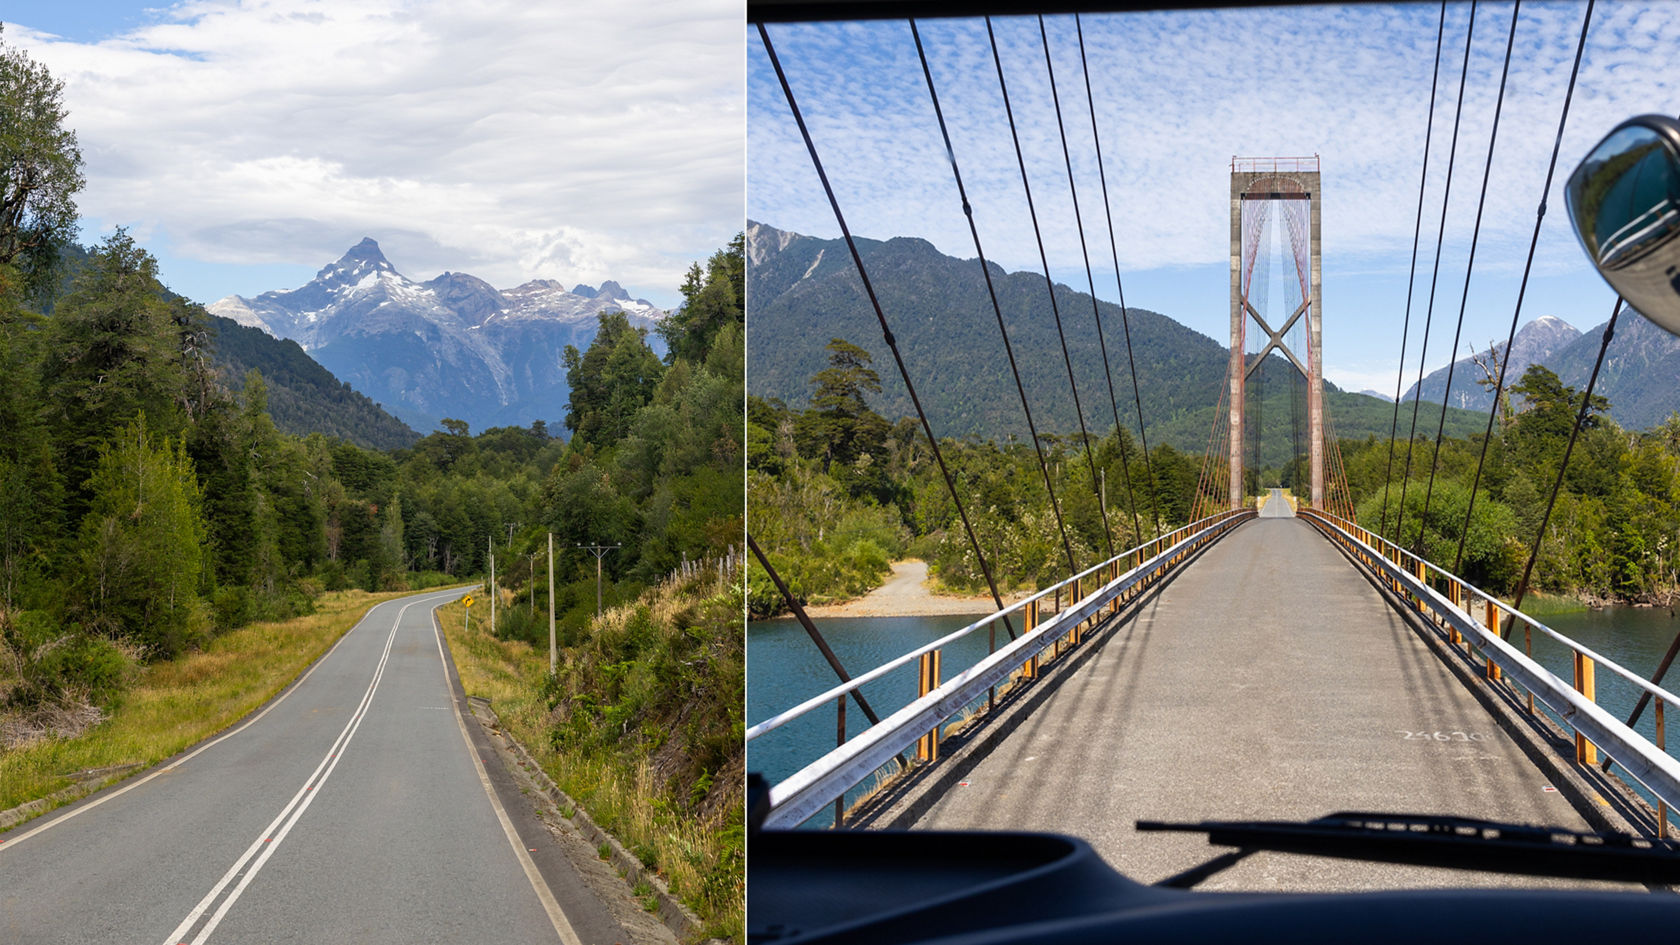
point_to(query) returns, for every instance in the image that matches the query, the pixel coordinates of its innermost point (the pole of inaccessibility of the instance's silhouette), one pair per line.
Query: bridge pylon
(1290, 188)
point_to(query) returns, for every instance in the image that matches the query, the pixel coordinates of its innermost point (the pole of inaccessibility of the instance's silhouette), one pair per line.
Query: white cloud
(507, 139)
(1177, 94)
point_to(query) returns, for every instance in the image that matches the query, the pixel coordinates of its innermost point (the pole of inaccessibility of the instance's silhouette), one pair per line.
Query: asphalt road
(1268, 681)
(357, 806)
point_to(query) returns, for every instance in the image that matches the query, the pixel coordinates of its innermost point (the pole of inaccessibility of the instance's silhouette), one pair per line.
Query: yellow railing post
(1078, 595)
(1662, 746)
(1029, 669)
(1493, 671)
(927, 747)
(1455, 593)
(1585, 752)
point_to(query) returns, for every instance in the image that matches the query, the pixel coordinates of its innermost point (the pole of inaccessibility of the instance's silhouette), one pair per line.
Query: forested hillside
(303, 396)
(806, 291)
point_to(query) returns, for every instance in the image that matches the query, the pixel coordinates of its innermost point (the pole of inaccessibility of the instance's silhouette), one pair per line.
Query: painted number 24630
(1444, 736)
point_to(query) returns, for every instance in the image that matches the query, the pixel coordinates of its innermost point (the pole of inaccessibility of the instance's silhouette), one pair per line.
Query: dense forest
(145, 507)
(836, 492)
(148, 502)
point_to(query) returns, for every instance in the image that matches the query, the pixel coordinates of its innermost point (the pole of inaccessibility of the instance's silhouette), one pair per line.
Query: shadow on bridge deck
(1269, 681)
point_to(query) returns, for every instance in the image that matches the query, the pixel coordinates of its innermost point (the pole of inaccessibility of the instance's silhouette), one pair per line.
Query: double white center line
(251, 862)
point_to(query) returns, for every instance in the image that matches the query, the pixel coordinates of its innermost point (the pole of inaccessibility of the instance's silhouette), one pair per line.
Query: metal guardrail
(1573, 702)
(826, 780)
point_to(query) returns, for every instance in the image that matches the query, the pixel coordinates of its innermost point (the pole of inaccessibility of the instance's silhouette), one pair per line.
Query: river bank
(906, 594)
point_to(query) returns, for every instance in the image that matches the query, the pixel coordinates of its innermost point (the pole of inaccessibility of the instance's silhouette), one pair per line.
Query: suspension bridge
(1271, 659)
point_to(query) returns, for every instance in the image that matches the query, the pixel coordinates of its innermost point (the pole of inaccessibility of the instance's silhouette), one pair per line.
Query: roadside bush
(53, 664)
(231, 607)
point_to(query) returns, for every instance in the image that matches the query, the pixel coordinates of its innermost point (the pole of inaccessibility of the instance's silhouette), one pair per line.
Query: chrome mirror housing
(1624, 201)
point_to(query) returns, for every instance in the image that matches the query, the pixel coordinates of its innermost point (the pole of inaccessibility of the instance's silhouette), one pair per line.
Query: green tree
(1547, 415)
(711, 300)
(840, 428)
(40, 168)
(141, 546)
(616, 377)
(113, 352)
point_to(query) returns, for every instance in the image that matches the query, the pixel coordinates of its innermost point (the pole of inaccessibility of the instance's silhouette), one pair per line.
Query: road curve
(355, 807)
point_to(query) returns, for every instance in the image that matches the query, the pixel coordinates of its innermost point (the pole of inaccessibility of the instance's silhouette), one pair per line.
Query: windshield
(1093, 361)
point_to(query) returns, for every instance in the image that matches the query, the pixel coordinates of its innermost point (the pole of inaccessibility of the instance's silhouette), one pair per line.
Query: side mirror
(1624, 200)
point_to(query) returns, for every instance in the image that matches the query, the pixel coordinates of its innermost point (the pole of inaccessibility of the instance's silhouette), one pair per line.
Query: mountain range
(802, 291)
(453, 346)
(1638, 376)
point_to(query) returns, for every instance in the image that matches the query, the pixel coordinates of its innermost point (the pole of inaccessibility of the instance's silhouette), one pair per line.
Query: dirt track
(905, 595)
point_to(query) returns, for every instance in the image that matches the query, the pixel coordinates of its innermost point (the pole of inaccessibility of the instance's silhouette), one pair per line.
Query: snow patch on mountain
(452, 346)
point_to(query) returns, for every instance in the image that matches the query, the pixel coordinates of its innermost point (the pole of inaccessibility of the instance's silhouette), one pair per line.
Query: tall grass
(175, 704)
(642, 726)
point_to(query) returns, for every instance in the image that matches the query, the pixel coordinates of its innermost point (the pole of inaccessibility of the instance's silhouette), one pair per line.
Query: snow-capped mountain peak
(451, 346)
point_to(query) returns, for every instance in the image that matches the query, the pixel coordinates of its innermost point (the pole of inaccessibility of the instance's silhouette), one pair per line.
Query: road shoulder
(599, 902)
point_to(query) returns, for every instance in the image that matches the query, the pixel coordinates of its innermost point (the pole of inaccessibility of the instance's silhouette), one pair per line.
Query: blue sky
(247, 143)
(1177, 96)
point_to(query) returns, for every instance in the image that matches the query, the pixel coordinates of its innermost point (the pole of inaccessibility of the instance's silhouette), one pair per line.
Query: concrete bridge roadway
(359, 807)
(1270, 680)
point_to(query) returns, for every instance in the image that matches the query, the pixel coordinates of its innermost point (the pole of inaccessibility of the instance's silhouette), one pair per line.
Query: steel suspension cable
(991, 290)
(1470, 265)
(1563, 464)
(1125, 319)
(881, 318)
(1411, 277)
(1429, 311)
(1049, 284)
(1204, 479)
(1091, 286)
(1522, 288)
(1260, 266)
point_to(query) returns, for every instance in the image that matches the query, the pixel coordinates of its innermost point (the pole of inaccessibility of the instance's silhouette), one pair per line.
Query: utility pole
(553, 654)
(599, 551)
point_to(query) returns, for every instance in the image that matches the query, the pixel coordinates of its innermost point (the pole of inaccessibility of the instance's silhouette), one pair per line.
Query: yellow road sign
(466, 601)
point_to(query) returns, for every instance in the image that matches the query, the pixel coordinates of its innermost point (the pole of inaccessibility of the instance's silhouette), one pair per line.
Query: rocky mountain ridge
(452, 346)
(1638, 377)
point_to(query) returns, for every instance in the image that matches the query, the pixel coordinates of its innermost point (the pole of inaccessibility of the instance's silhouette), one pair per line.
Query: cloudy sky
(1177, 96)
(247, 143)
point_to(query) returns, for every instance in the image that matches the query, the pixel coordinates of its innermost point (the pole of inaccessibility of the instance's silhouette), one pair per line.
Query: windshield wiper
(1426, 840)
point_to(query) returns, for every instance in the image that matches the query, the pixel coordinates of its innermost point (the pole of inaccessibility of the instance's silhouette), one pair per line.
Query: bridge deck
(1269, 681)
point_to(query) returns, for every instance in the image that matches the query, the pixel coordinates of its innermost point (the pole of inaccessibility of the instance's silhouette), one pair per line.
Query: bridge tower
(1288, 187)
